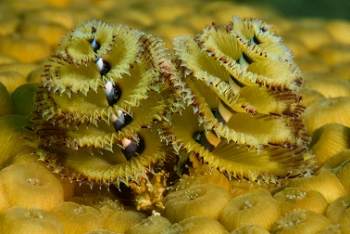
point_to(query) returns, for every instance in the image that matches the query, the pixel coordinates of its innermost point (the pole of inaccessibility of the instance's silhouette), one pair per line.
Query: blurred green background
(330, 9)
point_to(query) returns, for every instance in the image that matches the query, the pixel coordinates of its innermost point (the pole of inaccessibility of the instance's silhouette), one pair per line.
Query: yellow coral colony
(77, 218)
(241, 111)
(222, 111)
(300, 221)
(18, 220)
(257, 209)
(41, 187)
(295, 198)
(97, 112)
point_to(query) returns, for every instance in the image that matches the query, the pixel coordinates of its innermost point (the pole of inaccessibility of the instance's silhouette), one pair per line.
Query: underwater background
(338, 9)
(49, 189)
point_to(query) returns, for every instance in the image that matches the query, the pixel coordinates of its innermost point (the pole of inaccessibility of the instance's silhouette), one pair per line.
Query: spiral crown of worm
(115, 105)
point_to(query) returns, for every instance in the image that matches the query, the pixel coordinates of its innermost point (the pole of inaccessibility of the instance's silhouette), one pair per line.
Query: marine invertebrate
(19, 220)
(338, 211)
(189, 202)
(100, 231)
(311, 65)
(300, 221)
(153, 224)
(41, 187)
(322, 181)
(328, 110)
(122, 85)
(119, 218)
(65, 17)
(24, 48)
(85, 188)
(149, 192)
(310, 96)
(23, 98)
(5, 59)
(339, 164)
(291, 199)
(9, 21)
(4, 203)
(342, 70)
(329, 85)
(27, 157)
(340, 228)
(239, 188)
(339, 29)
(99, 6)
(5, 100)
(13, 134)
(294, 44)
(197, 225)
(22, 68)
(77, 218)
(117, 91)
(337, 161)
(202, 174)
(305, 31)
(236, 74)
(108, 205)
(12, 79)
(250, 229)
(50, 32)
(35, 75)
(257, 209)
(328, 140)
(334, 53)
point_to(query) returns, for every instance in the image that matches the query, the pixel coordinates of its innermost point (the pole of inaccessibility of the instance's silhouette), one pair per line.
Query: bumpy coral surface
(132, 124)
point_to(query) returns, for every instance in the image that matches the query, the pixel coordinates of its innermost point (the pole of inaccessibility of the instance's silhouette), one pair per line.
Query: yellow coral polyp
(338, 161)
(23, 98)
(239, 188)
(329, 85)
(153, 224)
(12, 80)
(24, 48)
(300, 221)
(197, 225)
(42, 188)
(4, 203)
(250, 229)
(200, 200)
(257, 209)
(295, 198)
(27, 157)
(77, 218)
(202, 175)
(329, 140)
(327, 110)
(324, 182)
(339, 228)
(19, 220)
(338, 211)
(118, 218)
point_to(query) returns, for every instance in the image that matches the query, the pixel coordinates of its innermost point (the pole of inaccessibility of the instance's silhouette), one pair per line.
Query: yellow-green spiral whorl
(241, 111)
(99, 110)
